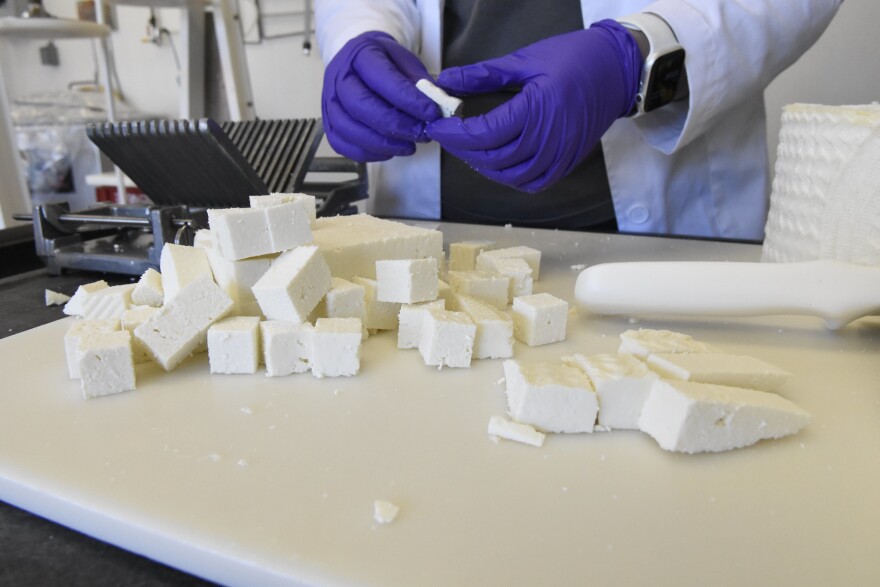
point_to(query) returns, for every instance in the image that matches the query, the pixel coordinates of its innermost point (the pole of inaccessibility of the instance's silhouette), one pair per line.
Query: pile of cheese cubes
(689, 396)
(272, 284)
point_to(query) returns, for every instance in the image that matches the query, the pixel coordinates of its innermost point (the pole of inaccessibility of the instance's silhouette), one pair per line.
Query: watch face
(663, 81)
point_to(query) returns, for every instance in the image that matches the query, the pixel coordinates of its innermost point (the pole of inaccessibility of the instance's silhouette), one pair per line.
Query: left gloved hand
(573, 87)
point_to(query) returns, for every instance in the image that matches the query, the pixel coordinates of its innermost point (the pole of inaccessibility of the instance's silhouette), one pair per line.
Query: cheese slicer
(836, 291)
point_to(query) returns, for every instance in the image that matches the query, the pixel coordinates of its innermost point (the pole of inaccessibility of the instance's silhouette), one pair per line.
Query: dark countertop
(35, 551)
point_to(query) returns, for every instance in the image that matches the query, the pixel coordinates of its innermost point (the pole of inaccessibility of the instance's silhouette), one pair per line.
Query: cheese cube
(108, 302)
(520, 275)
(644, 341)
(344, 299)
(692, 417)
(287, 347)
(406, 281)
(447, 339)
(501, 428)
(240, 233)
(552, 397)
(275, 199)
(294, 284)
(336, 347)
(622, 384)
(74, 306)
(131, 319)
(180, 266)
(449, 105)
(410, 317)
(351, 245)
(539, 319)
(445, 292)
(76, 332)
(379, 315)
(289, 225)
(463, 255)
(494, 337)
(54, 298)
(486, 261)
(148, 291)
(178, 327)
(489, 287)
(236, 278)
(384, 512)
(234, 345)
(719, 368)
(105, 363)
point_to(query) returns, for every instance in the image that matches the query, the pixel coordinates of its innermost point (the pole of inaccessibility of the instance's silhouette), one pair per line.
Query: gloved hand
(573, 87)
(371, 108)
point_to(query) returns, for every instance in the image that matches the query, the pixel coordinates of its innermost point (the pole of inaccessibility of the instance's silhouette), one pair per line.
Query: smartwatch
(664, 63)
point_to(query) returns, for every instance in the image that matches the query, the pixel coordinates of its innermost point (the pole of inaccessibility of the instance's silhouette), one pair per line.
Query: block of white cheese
(692, 417)
(290, 225)
(494, 337)
(177, 329)
(287, 347)
(105, 363)
(181, 265)
(463, 255)
(487, 259)
(74, 334)
(449, 105)
(719, 368)
(275, 199)
(74, 306)
(552, 397)
(622, 383)
(236, 278)
(108, 302)
(644, 341)
(520, 274)
(384, 512)
(406, 281)
(351, 245)
(539, 319)
(131, 319)
(336, 347)
(294, 284)
(409, 319)
(492, 288)
(240, 233)
(447, 339)
(54, 298)
(501, 428)
(344, 299)
(445, 292)
(148, 291)
(379, 315)
(234, 345)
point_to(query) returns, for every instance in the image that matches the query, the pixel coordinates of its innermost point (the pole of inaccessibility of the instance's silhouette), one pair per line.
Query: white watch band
(661, 41)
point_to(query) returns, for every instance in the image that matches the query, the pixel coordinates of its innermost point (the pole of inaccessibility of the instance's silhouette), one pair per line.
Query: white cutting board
(247, 479)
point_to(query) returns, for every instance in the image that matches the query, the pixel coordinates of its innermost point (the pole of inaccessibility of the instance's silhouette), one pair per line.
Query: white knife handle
(837, 291)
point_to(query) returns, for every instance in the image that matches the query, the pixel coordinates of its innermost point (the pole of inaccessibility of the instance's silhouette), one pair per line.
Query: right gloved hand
(372, 110)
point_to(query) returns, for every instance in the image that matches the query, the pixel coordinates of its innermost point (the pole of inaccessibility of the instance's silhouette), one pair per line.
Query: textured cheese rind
(645, 341)
(108, 302)
(406, 281)
(463, 255)
(287, 347)
(176, 330)
(148, 291)
(294, 284)
(75, 306)
(487, 259)
(552, 397)
(622, 384)
(105, 363)
(719, 368)
(131, 319)
(492, 288)
(181, 265)
(379, 315)
(447, 339)
(336, 347)
(494, 337)
(502, 428)
(409, 319)
(234, 345)
(236, 278)
(539, 319)
(689, 417)
(351, 245)
(73, 335)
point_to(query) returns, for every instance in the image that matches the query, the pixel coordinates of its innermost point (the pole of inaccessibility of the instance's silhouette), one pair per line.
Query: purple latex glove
(573, 86)
(372, 110)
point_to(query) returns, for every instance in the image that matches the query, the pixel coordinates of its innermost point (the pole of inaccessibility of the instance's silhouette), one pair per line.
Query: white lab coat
(698, 167)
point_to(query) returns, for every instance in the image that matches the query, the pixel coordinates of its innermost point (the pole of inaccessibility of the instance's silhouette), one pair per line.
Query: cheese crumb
(501, 428)
(53, 298)
(384, 512)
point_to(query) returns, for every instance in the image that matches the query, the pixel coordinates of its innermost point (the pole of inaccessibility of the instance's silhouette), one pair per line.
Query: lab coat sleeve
(734, 48)
(338, 21)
